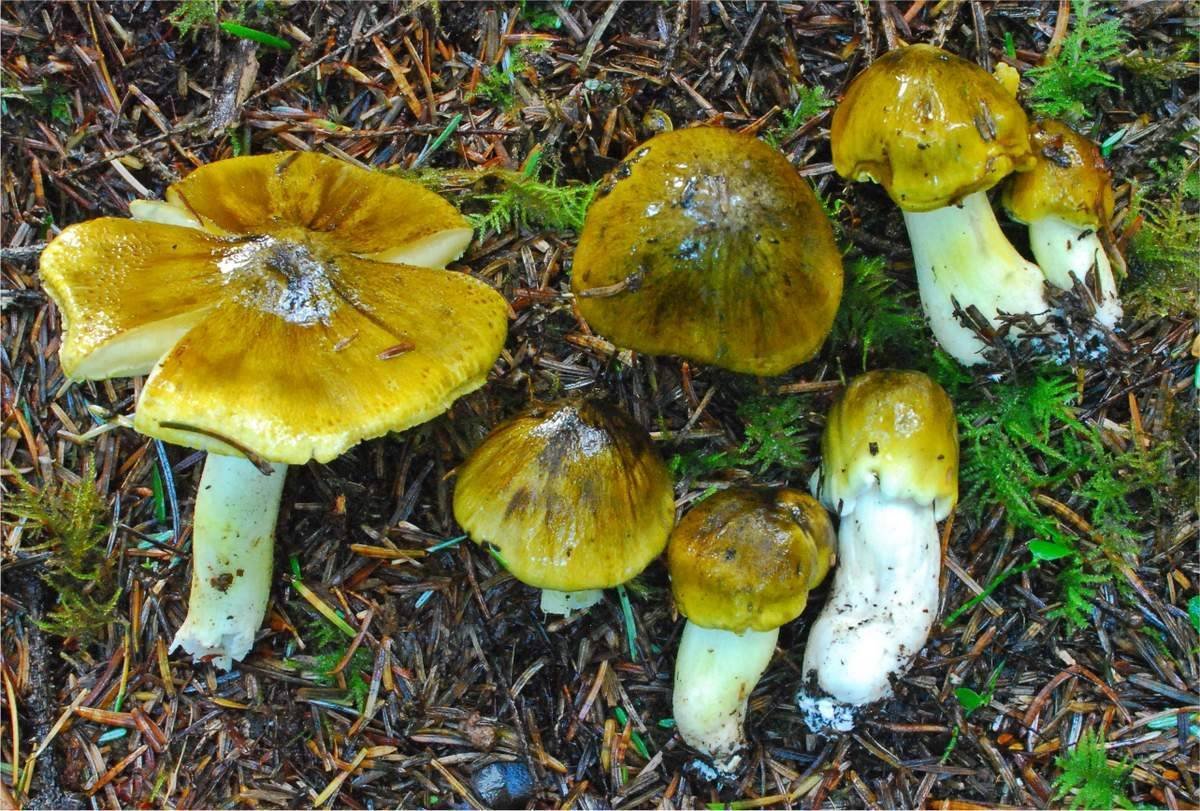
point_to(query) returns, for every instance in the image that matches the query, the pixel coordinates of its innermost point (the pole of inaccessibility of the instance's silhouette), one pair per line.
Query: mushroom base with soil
(1067, 252)
(715, 672)
(962, 256)
(232, 549)
(879, 613)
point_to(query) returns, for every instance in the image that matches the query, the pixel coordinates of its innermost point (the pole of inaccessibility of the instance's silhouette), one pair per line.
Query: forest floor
(1062, 673)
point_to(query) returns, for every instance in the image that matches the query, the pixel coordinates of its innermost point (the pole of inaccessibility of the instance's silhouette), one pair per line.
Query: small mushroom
(573, 496)
(937, 132)
(1067, 202)
(890, 470)
(741, 563)
(706, 243)
(274, 304)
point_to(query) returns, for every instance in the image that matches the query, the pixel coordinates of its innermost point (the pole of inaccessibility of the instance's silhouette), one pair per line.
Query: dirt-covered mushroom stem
(890, 470)
(233, 541)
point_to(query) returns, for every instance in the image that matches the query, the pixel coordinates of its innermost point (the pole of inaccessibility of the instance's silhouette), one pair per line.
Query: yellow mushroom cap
(745, 559)
(1070, 179)
(573, 495)
(930, 127)
(706, 243)
(894, 430)
(266, 320)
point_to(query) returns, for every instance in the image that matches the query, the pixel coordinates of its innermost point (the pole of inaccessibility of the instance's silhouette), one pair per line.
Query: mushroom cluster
(285, 307)
(937, 132)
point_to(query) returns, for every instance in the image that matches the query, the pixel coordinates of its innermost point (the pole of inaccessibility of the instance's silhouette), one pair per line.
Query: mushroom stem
(879, 613)
(715, 672)
(232, 544)
(962, 255)
(564, 602)
(1067, 252)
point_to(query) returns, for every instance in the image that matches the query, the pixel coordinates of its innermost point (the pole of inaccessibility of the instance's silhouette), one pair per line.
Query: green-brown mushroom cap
(930, 127)
(894, 430)
(573, 495)
(706, 243)
(1069, 180)
(745, 559)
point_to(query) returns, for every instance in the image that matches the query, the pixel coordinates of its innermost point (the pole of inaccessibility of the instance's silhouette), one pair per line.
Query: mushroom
(741, 563)
(273, 302)
(890, 470)
(1067, 200)
(937, 132)
(573, 497)
(706, 243)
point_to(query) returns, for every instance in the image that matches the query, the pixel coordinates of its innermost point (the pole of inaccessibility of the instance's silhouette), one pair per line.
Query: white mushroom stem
(232, 544)
(1067, 252)
(879, 614)
(962, 255)
(715, 672)
(564, 602)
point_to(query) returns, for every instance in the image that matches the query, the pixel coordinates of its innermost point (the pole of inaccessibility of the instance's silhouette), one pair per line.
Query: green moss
(501, 200)
(1069, 85)
(71, 520)
(496, 84)
(810, 102)
(876, 315)
(1089, 779)
(190, 16)
(1021, 439)
(775, 437)
(330, 646)
(1164, 253)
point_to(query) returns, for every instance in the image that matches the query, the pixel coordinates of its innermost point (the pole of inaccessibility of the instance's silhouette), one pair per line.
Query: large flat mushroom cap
(745, 559)
(706, 243)
(894, 430)
(1069, 180)
(282, 334)
(573, 495)
(930, 127)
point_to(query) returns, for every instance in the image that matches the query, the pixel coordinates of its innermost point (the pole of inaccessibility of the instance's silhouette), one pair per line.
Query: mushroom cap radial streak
(269, 303)
(573, 495)
(745, 559)
(706, 243)
(895, 431)
(930, 127)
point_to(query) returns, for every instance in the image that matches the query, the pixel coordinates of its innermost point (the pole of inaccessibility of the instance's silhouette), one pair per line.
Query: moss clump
(70, 518)
(1164, 253)
(1068, 86)
(1023, 439)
